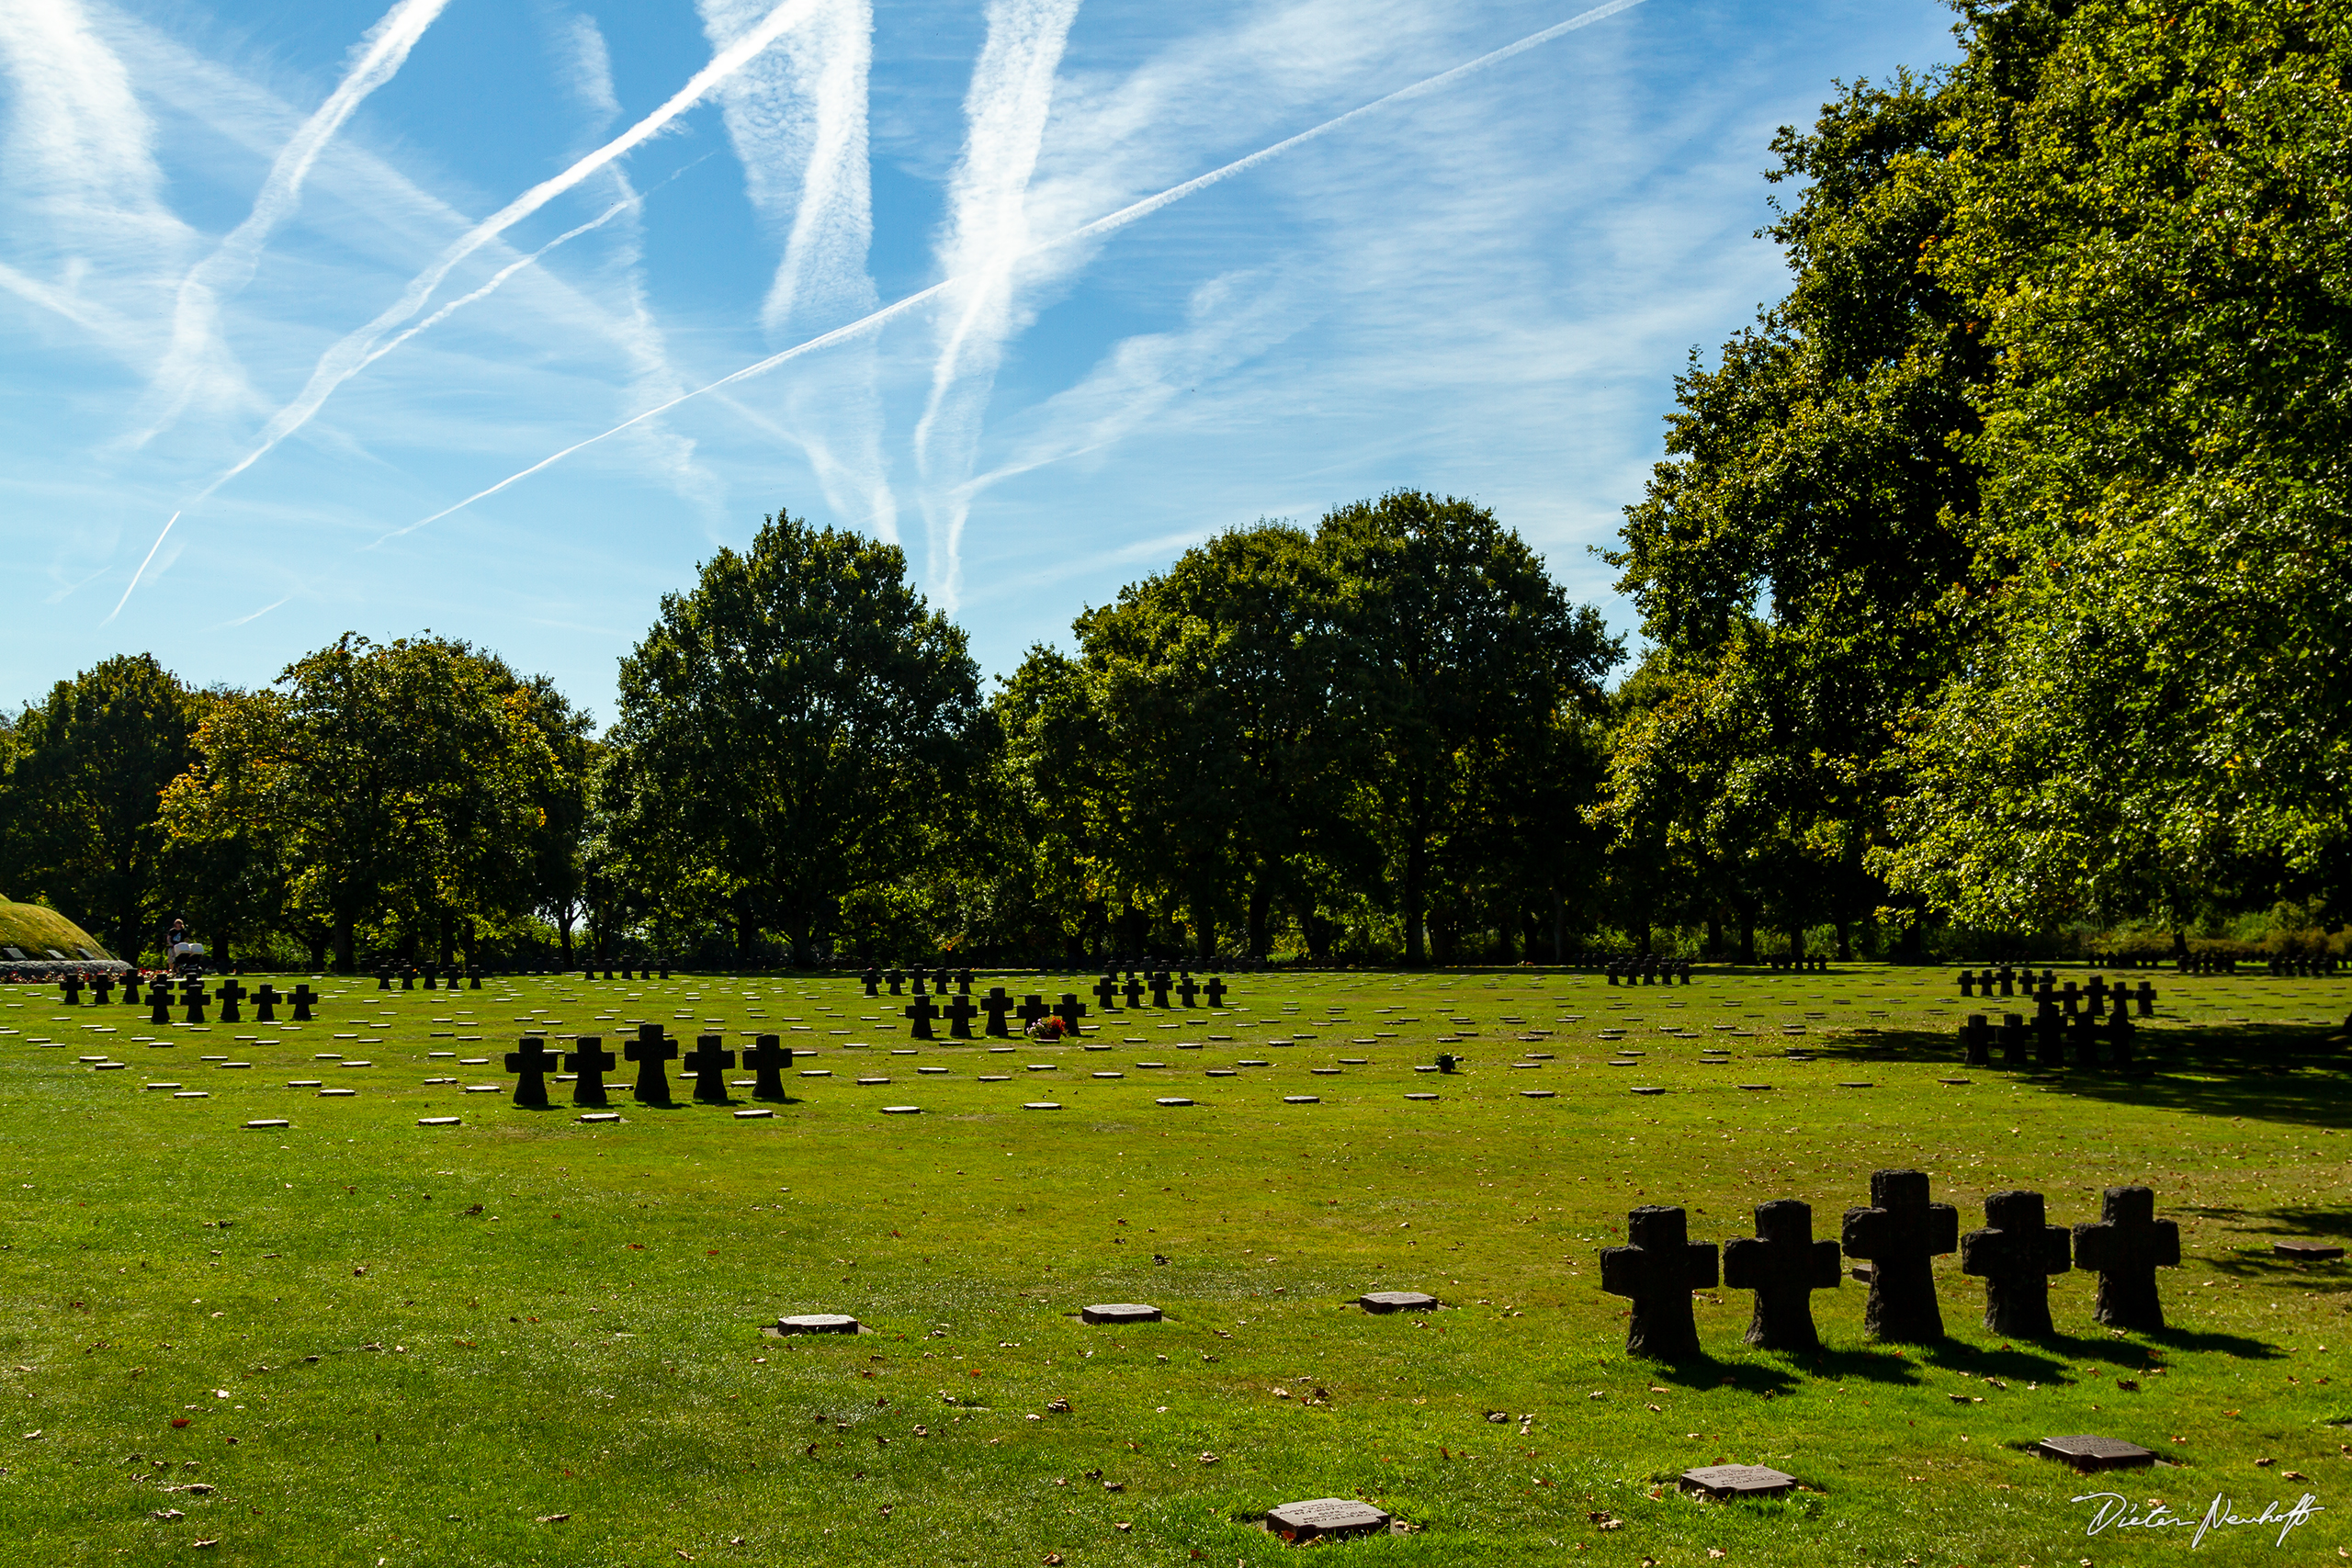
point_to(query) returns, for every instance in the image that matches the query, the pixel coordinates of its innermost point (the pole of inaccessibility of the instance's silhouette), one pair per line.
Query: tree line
(1994, 580)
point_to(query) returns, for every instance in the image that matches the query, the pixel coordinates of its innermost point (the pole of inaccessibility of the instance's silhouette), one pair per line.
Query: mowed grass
(525, 1339)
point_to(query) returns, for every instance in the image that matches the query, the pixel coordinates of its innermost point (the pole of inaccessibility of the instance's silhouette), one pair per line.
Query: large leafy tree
(1792, 553)
(78, 826)
(1460, 655)
(399, 783)
(2155, 711)
(793, 720)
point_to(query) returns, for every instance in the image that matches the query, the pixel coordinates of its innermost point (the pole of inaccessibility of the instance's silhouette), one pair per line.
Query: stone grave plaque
(1396, 1301)
(268, 1121)
(2085, 1452)
(1041, 1105)
(1725, 1482)
(1321, 1517)
(1173, 1099)
(1119, 1311)
(818, 1323)
(2307, 1251)
(1420, 1096)
(437, 1120)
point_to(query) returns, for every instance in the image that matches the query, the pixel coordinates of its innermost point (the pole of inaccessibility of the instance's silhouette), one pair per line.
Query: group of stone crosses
(407, 975)
(193, 999)
(2058, 1014)
(651, 1052)
(1895, 1236)
(998, 1004)
(1648, 971)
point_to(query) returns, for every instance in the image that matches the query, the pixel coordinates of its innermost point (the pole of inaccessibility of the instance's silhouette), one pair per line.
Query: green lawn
(527, 1339)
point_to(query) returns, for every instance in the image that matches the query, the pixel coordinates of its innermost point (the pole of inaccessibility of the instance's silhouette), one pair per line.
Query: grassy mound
(36, 930)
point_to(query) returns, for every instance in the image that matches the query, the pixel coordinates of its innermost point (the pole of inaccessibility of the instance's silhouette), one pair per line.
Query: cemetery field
(525, 1339)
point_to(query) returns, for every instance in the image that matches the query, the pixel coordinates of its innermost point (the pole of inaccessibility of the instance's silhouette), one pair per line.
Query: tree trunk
(316, 941)
(345, 960)
(1260, 897)
(1715, 931)
(1845, 941)
(1796, 943)
(1559, 927)
(563, 932)
(1416, 867)
(1747, 937)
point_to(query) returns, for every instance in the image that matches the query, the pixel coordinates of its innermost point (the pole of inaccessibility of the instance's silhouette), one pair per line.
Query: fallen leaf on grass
(167, 1514)
(1053, 1559)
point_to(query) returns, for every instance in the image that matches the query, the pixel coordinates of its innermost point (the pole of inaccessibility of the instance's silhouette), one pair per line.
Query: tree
(792, 721)
(2148, 214)
(81, 828)
(1460, 655)
(1791, 555)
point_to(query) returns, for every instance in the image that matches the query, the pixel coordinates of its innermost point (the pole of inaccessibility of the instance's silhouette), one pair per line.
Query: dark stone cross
(304, 1000)
(2125, 1246)
(1977, 1041)
(72, 986)
(1186, 990)
(2119, 1036)
(408, 979)
(1107, 991)
(193, 995)
(652, 1054)
(2008, 978)
(767, 1059)
(2015, 1255)
(996, 1004)
(872, 980)
(102, 990)
(532, 1062)
(708, 1061)
(2049, 1033)
(1033, 1007)
(159, 1001)
(384, 979)
(959, 1014)
(625, 970)
(131, 996)
(923, 1011)
(963, 982)
(1783, 1265)
(1968, 982)
(473, 979)
(1159, 981)
(2098, 994)
(1899, 1232)
(1657, 1271)
(1214, 991)
(2013, 1052)
(266, 1004)
(897, 979)
(1069, 1011)
(589, 973)
(2085, 1027)
(2146, 997)
(589, 1060)
(233, 995)
(919, 983)
(432, 978)
(1132, 991)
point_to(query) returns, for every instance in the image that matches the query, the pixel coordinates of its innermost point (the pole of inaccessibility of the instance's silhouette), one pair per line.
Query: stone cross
(102, 990)
(2098, 994)
(131, 996)
(431, 978)
(408, 978)
(1070, 1011)
(872, 980)
(1783, 1265)
(159, 1001)
(1968, 982)
(72, 986)
(193, 995)
(652, 1054)
(767, 1059)
(2119, 1036)
(708, 1062)
(896, 978)
(589, 1060)
(2125, 1246)
(963, 982)
(1657, 1271)
(1977, 1041)
(2085, 1028)
(233, 995)
(959, 1014)
(1033, 1007)
(1186, 990)
(923, 1011)
(532, 1063)
(1899, 1232)
(2013, 1054)
(996, 1004)
(384, 979)
(2015, 1255)
(304, 1000)
(919, 983)
(1132, 990)
(1159, 988)
(2049, 1036)
(1214, 991)
(265, 1003)
(1107, 991)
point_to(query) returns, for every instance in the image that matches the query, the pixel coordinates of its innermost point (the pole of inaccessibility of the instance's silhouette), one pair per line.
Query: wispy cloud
(198, 352)
(986, 241)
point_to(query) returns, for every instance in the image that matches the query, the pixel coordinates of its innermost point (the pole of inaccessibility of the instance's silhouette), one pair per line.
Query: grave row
(2095, 992)
(191, 995)
(2094, 1046)
(1895, 1236)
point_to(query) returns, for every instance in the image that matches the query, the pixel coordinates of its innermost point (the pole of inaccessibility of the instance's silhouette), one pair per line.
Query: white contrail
(343, 361)
(143, 569)
(196, 331)
(987, 234)
(1109, 223)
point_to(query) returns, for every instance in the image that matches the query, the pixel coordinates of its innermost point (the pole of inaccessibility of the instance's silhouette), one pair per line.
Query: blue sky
(308, 275)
